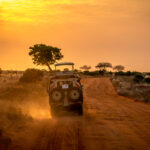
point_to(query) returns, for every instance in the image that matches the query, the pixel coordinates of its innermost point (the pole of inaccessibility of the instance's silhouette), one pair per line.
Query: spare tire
(56, 95)
(74, 94)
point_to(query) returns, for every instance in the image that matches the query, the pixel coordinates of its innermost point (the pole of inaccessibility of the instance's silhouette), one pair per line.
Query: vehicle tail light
(77, 84)
(52, 85)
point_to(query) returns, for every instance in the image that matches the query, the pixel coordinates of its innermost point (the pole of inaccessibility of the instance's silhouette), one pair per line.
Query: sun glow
(36, 11)
(21, 10)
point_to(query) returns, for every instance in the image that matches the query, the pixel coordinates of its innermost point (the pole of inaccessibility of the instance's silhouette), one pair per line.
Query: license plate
(65, 86)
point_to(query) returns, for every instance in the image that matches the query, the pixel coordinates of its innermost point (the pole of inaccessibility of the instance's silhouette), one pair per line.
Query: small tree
(119, 68)
(45, 55)
(102, 66)
(85, 68)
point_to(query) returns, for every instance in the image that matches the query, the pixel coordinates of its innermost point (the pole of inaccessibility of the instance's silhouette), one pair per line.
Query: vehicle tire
(74, 94)
(56, 95)
(80, 110)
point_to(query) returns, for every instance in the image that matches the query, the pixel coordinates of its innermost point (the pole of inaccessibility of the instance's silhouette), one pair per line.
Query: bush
(138, 78)
(147, 80)
(148, 73)
(31, 75)
(86, 72)
(91, 73)
(128, 73)
(102, 72)
(120, 73)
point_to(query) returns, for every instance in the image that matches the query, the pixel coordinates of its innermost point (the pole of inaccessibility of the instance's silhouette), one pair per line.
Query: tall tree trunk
(50, 69)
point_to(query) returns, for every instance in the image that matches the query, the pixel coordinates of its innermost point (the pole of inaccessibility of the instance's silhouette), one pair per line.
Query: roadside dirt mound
(137, 91)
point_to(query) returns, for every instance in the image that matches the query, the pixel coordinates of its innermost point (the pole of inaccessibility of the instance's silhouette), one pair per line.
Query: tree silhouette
(85, 68)
(45, 55)
(102, 66)
(119, 68)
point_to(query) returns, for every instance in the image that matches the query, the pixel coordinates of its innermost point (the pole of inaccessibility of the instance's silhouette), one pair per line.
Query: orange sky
(88, 31)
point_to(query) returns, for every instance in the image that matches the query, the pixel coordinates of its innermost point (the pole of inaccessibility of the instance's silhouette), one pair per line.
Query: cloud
(39, 10)
(61, 11)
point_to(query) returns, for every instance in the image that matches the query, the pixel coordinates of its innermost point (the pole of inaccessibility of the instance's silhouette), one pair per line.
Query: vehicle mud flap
(80, 110)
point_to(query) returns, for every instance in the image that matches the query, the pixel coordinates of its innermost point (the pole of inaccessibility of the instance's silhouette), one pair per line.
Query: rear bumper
(72, 106)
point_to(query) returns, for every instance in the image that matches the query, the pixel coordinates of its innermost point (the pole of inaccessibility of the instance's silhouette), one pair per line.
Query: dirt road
(110, 122)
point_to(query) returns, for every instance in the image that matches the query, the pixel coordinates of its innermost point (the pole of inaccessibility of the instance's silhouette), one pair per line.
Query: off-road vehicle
(65, 90)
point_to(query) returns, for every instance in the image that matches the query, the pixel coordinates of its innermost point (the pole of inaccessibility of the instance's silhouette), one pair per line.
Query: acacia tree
(85, 68)
(119, 68)
(45, 55)
(103, 66)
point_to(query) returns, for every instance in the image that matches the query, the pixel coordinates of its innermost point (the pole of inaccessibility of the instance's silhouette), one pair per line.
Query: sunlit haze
(87, 31)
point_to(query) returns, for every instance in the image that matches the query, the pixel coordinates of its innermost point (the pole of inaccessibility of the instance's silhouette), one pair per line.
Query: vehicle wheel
(80, 110)
(74, 94)
(56, 95)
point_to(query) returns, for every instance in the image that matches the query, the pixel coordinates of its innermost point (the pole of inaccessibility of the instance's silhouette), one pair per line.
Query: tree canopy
(85, 67)
(45, 55)
(104, 65)
(119, 68)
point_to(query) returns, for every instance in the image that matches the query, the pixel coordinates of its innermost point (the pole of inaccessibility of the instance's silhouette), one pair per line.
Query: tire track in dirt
(110, 122)
(62, 134)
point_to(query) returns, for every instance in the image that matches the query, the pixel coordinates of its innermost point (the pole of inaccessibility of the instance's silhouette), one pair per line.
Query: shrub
(148, 73)
(128, 73)
(102, 72)
(138, 78)
(86, 72)
(91, 73)
(134, 73)
(120, 73)
(147, 80)
(31, 75)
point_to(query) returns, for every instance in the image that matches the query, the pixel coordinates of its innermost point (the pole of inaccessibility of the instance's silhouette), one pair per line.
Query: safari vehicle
(65, 90)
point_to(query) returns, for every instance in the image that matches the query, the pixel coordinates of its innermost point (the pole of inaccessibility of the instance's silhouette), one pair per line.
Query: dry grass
(126, 87)
(20, 105)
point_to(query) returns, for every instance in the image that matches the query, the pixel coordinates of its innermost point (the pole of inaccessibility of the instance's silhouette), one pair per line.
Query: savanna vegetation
(32, 75)
(19, 104)
(17, 99)
(45, 55)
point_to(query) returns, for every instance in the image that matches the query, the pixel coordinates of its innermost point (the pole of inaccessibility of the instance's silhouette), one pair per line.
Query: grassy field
(20, 105)
(26, 124)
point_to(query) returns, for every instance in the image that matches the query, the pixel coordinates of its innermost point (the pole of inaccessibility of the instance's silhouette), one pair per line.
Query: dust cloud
(36, 110)
(110, 121)
(23, 110)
